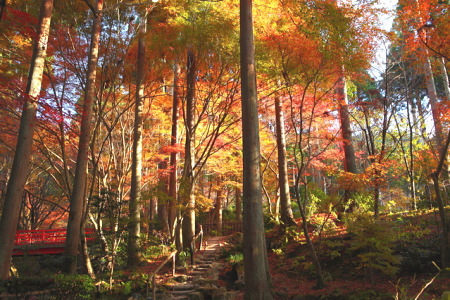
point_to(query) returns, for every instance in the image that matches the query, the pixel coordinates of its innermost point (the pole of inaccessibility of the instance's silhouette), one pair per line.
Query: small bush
(372, 244)
(183, 258)
(73, 286)
(417, 259)
(24, 285)
(235, 258)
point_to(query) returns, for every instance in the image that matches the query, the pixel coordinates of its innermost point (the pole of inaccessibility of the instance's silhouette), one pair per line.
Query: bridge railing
(46, 236)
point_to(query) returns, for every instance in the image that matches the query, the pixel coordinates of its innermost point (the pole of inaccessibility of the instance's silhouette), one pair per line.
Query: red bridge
(47, 241)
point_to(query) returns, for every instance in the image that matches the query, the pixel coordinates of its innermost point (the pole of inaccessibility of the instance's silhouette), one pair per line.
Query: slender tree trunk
(173, 179)
(187, 189)
(238, 204)
(86, 257)
(431, 87)
(21, 163)
(445, 242)
(349, 151)
(163, 192)
(446, 84)
(79, 187)
(445, 79)
(134, 228)
(153, 209)
(433, 98)
(179, 231)
(256, 270)
(218, 209)
(376, 198)
(411, 113)
(287, 216)
(434, 104)
(315, 259)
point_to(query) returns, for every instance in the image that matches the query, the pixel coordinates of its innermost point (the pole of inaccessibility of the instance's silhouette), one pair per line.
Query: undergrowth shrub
(22, 286)
(235, 258)
(127, 283)
(183, 259)
(331, 248)
(68, 286)
(281, 236)
(418, 246)
(236, 242)
(323, 223)
(372, 244)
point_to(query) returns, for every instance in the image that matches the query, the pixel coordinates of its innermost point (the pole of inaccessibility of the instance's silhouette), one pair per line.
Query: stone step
(183, 287)
(204, 262)
(207, 258)
(197, 272)
(202, 275)
(182, 292)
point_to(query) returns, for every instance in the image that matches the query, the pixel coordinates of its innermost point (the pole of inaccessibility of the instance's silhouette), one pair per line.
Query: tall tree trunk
(433, 98)
(412, 126)
(173, 179)
(349, 151)
(134, 228)
(435, 112)
(446, 84)
(431, 87)
(409, 157)
(79, 186)
(287, 216)
(21, 164)
(256, 270)
(187, 188)
(153, 209)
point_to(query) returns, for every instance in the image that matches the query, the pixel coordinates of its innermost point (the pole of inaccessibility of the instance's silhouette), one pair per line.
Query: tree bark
(445, 78)
(21, 163)
(445, 243)
(79, 187)
(173, 177)
(347, 140)
(163, 192)
(187, 189)
(218, 207)
(433, 98)
(287, 216)
(238, 204)
(256, 271)
(134, 228)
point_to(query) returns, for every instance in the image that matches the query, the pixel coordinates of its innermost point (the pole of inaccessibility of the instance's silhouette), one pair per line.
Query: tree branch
(91, 6)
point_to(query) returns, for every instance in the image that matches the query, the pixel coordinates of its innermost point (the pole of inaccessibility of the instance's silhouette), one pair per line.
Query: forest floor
(413, 247)
(396, 257)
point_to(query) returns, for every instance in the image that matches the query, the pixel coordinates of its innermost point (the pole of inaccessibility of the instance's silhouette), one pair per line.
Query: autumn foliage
(308, 53)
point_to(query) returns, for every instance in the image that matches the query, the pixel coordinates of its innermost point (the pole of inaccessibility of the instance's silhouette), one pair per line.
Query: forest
(218, 149)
